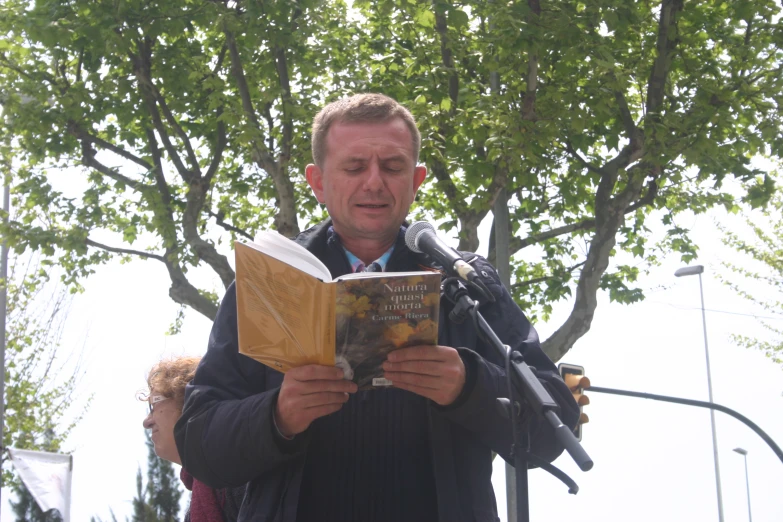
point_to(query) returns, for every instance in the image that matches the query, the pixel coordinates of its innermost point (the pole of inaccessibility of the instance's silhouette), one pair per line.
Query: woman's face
(164, 413)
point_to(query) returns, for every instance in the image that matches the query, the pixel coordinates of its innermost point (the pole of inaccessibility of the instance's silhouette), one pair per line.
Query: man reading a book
(307, 443)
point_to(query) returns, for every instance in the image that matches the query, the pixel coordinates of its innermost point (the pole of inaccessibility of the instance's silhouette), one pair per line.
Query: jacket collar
(327, 248)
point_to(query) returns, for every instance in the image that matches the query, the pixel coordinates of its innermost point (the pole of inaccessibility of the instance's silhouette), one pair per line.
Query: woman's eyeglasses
(154, 399)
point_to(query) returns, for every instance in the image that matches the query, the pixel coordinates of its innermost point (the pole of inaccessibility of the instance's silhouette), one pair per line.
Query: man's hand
(307, 393)
(434, 372)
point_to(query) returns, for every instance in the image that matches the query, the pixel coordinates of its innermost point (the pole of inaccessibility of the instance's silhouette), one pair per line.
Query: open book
(291, 313)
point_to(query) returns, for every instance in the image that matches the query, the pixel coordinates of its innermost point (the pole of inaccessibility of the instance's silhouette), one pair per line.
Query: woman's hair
(169, 377)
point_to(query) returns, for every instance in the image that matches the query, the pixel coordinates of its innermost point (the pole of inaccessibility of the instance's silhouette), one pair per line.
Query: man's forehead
(357, 138)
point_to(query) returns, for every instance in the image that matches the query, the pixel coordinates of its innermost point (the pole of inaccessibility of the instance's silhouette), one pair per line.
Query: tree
(163, 491)
(765, 249)
(159, 500)
(187, 125)
(26, 508)
(40, 393)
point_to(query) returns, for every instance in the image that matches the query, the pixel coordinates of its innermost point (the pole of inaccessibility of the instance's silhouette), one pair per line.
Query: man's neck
(368, 250)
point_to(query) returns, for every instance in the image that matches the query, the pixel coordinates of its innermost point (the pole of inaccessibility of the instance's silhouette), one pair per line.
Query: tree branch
(196, 199)
(88, 159)
(516, 244)
(446, 55)
(281, 64)
(541, 279)
(231, 228)
(182, 292)
(667, 29)
(142, 63)
(220, 147)
(529, 103)
(586, 164)
(82, 134)
(625, 115)
(177, 128)
(124, 251)
(286, 219)
(160, 179)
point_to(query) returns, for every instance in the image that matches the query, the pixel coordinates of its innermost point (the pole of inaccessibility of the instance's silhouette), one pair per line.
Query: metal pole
(747, 487)
(712, 412)
(3, 303)
(502, 265)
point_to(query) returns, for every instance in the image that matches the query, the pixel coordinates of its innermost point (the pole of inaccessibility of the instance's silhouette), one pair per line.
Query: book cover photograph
(291, 313)
(375, 316)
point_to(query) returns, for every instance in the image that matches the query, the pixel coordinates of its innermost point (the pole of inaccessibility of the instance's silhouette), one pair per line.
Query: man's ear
(419, 173)
(314, 177)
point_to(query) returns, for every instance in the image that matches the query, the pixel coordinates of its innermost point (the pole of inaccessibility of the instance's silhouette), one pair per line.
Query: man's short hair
(361, 108)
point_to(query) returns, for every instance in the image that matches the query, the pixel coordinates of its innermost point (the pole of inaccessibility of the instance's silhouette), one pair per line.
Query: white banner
(47, 477)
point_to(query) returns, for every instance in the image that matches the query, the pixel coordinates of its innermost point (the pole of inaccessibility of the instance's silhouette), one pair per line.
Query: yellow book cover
(291, 313)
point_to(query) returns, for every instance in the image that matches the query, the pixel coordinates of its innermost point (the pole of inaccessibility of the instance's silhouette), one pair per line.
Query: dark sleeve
(225, 435)
(475, 409)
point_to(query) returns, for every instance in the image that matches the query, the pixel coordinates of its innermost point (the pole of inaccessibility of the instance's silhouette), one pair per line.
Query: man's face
(369, 178)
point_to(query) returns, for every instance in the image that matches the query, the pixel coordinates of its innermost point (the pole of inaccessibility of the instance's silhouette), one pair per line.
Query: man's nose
(374, 180)
(147, 421)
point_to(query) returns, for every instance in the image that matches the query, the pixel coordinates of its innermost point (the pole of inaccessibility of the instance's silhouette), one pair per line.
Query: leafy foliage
(186, 126)
(39, 399)
(764, 248)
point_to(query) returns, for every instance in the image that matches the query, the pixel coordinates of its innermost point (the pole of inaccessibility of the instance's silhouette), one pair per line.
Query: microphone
(422, 239)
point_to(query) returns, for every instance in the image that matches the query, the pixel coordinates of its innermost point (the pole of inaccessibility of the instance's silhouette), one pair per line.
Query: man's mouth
(372, 205)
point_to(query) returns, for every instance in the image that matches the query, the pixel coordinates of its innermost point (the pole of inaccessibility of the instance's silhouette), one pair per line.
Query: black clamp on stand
(523, 388)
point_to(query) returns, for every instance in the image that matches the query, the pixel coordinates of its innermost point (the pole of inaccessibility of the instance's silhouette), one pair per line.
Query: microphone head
(414, 232)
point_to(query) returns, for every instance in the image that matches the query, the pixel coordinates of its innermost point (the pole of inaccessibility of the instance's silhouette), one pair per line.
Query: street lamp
(744, 453)
(698, 270)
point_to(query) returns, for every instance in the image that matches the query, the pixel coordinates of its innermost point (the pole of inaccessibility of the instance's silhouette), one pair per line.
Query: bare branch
(142, 63)
(286, 221)
(177, 127)
(160, 179)
(541, 279)
(238, 73)
(517, 244)
(196, 199)
(88, 159)
(83, 134)
(124, 251)
(231, 228)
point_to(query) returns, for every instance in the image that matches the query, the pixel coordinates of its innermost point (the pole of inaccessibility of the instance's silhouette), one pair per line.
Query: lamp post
(698, 270)
(744, 453)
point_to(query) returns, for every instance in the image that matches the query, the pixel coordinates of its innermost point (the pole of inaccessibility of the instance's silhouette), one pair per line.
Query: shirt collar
(354, 261)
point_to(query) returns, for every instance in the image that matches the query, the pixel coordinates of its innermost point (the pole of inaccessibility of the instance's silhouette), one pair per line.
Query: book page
(278, 246)
(365, 275)
(282, 315)
(376, 315)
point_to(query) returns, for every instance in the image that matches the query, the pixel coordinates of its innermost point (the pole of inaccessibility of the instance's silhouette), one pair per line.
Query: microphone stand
(523, 387)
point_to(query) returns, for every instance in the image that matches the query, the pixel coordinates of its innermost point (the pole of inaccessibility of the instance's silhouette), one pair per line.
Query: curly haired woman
(166, 383)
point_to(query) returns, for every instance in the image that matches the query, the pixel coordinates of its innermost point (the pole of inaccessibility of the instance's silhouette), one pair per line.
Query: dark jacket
(226, 436)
